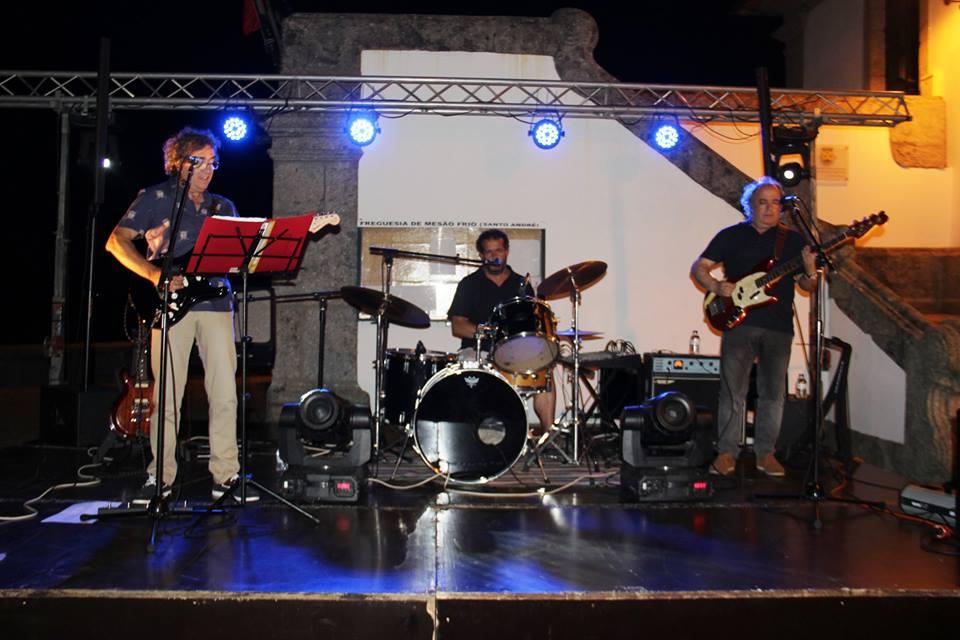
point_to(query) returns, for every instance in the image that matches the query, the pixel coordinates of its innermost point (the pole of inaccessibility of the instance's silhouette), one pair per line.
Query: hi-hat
(396, 310)
(579, 276)
(584, 335)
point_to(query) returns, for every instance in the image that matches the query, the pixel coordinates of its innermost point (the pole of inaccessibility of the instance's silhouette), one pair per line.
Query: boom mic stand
(158, 508)
(813, 490)
(383, 326)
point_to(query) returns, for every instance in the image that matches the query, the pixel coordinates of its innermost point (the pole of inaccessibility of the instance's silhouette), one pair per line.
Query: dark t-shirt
(477, 295)
(154, 205)
(741, 248)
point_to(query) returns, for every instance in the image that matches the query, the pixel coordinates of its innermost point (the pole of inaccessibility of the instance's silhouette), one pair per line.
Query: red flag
(251, 17)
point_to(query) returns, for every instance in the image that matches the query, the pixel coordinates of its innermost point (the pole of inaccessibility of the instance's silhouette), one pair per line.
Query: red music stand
(244, 246)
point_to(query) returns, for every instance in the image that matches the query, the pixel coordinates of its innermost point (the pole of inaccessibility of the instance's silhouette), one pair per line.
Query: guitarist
(209, 323)
(766, 333)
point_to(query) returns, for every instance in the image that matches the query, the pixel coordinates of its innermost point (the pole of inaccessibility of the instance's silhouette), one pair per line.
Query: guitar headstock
(323, 219)
(858, 228)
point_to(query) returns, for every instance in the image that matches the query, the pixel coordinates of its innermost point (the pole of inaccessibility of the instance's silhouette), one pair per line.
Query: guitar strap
(781, 240)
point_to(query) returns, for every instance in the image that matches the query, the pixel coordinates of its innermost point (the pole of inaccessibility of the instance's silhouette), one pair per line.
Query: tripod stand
(572, 281)
(158, 508)
(813, 490)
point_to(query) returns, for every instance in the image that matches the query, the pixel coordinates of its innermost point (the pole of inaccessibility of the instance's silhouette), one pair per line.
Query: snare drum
(470, 424)
(525, 339)
(536, 382)
(404, 373)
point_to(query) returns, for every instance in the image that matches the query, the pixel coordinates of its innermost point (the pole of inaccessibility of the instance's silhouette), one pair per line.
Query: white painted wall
(877, 385)
(600, 195)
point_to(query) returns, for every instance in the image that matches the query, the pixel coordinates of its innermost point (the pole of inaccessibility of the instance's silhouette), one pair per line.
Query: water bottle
(801, 386)
(694, 342)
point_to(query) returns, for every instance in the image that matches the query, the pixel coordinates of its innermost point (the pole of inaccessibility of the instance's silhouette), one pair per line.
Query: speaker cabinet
(698, 377)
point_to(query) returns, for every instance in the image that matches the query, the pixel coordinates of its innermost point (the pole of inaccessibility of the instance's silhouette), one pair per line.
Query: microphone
(789, 200)
(495, 261)
(524, 284)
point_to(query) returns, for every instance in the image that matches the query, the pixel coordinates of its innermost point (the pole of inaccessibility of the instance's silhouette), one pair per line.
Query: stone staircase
(908, 302)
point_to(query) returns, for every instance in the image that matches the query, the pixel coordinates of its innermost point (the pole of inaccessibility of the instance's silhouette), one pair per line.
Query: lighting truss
(448, 96)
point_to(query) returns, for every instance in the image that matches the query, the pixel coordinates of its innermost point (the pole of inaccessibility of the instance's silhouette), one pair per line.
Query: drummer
(480, 292)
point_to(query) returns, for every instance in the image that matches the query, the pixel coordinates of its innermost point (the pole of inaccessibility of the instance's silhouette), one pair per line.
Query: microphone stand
(158, 508)
(813, 489)
(388, 255)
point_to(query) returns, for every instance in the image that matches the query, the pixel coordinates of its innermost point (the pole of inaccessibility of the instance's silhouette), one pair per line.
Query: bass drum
(469, 424)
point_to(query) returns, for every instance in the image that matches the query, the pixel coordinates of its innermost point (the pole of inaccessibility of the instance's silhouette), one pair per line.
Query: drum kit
(465, 412)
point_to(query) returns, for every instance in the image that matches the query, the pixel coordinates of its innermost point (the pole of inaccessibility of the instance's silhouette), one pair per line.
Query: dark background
(697, 43)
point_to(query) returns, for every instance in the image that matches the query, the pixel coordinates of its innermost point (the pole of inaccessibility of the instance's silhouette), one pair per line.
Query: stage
(434, 562)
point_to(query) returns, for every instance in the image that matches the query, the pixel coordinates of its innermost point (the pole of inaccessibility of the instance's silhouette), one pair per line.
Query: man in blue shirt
(208, 323)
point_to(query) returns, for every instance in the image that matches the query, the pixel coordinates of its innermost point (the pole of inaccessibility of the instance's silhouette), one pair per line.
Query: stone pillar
(315, 168)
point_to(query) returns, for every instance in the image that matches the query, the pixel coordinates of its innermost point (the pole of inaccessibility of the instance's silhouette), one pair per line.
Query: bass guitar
(131, 413)
(752, 291)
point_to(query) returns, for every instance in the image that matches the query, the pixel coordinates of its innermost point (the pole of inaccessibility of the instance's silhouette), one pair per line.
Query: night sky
(698, 43)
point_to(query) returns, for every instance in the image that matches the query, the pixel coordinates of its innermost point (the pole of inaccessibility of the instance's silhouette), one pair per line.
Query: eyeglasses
(203, 163)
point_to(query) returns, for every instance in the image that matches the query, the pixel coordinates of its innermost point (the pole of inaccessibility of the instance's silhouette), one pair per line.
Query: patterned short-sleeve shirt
(154, 206)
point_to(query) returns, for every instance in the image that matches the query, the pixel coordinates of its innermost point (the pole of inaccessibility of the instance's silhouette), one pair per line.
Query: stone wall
(928, 352)
(927, 279)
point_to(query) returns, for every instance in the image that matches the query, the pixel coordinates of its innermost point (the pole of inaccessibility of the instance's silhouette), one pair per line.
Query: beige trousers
(213, 333)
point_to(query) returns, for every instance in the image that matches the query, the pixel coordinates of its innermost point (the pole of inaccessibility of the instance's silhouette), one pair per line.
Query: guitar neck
(795, 264)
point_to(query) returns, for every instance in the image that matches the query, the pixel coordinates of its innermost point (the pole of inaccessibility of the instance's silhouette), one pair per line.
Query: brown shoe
(724, 465)
(771, 466)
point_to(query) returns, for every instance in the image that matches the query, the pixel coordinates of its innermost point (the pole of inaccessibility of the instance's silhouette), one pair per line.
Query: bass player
(766, 333)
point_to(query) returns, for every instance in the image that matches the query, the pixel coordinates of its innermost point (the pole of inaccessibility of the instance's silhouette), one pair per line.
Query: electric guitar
(130, 417)
(752, 291)
(148, 299)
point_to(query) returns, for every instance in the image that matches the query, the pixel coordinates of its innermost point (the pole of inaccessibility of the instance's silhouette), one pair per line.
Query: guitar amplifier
(696, 376)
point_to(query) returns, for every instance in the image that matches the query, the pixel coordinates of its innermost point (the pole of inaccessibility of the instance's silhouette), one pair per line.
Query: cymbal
(580, 275)
(584, 335)
(397, 310)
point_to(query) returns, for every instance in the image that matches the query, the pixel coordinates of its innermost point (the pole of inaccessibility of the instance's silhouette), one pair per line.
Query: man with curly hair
(208, 323)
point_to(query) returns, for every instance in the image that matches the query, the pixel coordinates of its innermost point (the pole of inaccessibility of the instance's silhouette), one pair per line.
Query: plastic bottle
(694, 342)
(801, 386)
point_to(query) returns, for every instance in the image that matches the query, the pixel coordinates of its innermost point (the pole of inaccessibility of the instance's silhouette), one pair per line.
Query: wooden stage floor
(434, 562)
